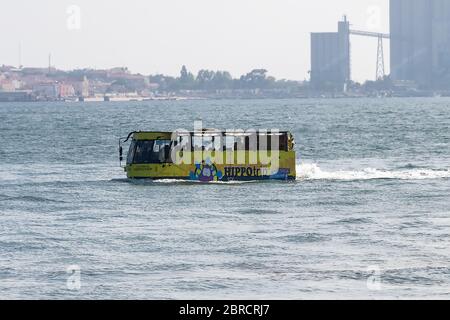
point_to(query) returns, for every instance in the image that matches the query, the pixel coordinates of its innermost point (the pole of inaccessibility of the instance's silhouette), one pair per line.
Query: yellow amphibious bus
(210, 155)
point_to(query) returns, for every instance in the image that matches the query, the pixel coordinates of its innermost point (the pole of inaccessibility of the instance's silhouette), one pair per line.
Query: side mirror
(121, 153)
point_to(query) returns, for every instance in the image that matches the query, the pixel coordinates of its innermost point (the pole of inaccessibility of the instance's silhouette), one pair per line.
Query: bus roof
(164, 135)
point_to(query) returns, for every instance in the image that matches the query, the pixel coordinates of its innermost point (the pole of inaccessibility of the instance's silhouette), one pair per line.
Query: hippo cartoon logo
(206, 172)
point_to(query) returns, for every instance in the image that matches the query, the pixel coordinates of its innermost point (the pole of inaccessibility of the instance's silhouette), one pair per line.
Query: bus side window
(196, 142)
(264, 141)
(229, 143)
(161, 151)
(131, 151)
(283, 142)
(239, 143)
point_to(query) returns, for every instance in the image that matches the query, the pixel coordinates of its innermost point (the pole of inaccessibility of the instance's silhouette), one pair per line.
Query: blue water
(368, 216)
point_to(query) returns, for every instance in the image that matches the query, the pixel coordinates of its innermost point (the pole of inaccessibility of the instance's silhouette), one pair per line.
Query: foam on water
(199, 182)
(312, 171)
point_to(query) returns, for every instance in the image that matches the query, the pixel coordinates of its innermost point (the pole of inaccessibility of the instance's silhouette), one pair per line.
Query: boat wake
(145, 182)
(170, 181)
(311, 171)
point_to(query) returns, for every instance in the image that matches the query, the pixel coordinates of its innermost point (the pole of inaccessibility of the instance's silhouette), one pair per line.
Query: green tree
(255, 79)
(186, 80)
(210, 80)
(204, 79)
(222, 80)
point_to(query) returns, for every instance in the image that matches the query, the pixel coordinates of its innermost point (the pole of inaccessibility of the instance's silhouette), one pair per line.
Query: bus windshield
(151, 151)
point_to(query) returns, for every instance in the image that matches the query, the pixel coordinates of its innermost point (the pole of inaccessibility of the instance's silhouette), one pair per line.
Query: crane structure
(380, 71)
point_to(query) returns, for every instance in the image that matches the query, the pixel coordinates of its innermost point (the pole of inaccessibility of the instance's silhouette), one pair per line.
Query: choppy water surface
(368, 216)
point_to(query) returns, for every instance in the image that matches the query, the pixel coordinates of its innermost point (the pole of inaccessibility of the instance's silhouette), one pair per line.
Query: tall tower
(440, 26)
(380, 60)
(344, 48)
(412, 37)
(330, 57)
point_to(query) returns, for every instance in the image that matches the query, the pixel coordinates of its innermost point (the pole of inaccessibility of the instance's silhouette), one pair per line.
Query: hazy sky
(158, 36)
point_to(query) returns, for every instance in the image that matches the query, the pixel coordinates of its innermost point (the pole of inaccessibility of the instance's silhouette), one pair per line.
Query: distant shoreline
(87, 101)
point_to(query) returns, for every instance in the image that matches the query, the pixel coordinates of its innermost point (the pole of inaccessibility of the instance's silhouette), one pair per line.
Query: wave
(29, 199)
(145, 182)
(311, 171)
(184, 181)
(305, 238)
